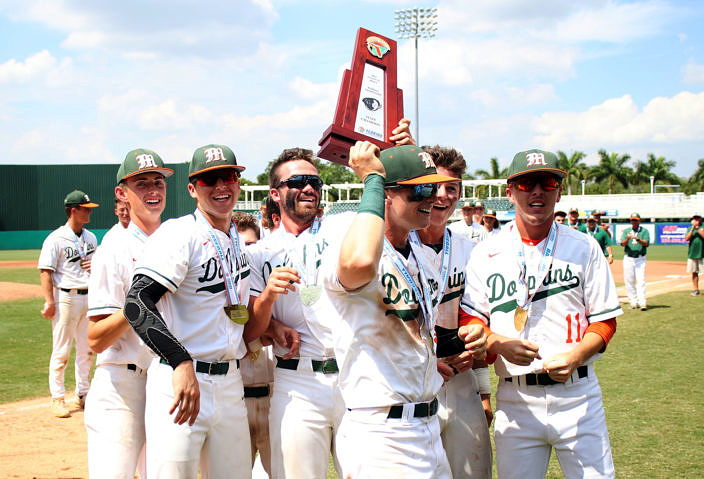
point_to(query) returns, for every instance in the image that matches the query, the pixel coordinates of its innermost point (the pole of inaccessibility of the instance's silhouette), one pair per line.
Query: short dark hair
(272, 208)
(245, 221)
(289, 154)
(447, 158)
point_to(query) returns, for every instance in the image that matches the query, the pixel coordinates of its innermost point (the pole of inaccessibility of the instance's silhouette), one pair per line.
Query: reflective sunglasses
(210, 178)
(299, 182)
(527, 183)
(419, 192)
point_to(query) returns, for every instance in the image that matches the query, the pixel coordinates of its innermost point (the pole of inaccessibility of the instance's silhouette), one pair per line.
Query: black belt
(544, 379)
(78, 291)
(210, 368)
(636, 255)
(328, 366)
(423, 409)
(256, 391)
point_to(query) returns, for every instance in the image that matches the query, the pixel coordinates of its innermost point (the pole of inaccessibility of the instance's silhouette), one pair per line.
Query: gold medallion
(519, 318)
(237, 313)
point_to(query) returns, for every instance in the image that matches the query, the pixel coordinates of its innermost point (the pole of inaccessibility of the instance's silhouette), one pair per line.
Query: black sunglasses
(210, 178)
(419, 192)
(300, 181)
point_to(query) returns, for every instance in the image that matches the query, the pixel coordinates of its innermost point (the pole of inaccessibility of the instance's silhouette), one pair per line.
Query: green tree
(696, 181)
(494, 173)
(657, 167)
(573, 166)
(612, 169)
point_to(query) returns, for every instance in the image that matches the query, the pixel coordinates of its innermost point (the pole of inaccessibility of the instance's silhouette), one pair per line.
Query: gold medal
(519, 318)
(237, 313)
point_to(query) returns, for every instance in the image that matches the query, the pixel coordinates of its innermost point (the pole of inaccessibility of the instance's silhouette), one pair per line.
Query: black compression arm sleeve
(141, 312)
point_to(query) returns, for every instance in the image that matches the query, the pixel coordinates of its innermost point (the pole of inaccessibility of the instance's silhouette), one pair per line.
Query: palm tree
(697, 179)
(659, 168)
(612, 169)
(573, 166)
(495, 173)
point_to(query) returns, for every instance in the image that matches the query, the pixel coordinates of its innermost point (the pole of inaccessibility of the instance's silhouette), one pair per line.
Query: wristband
(373, 196)
(482, 375)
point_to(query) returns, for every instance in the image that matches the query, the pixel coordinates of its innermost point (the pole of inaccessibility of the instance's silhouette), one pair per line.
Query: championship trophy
(370, 105)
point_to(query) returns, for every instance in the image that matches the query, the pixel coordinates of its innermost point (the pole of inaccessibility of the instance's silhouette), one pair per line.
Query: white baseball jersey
(116, 228)
(182, 258)
(462, 228)
(578, 290)
(110, 280)
(383, 346)
(281, 248)
(60, 254)
(487, 234)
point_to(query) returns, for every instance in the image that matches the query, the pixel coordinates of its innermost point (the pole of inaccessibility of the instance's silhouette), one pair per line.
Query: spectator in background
(695, 236)
(560, 217)
(490, 225)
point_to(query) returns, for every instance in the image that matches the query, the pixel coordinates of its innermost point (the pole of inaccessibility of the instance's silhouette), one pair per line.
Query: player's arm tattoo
(141, 312)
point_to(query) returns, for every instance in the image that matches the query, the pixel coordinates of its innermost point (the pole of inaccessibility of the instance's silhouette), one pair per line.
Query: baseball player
(257, 368)
(635, 241)
(490, 225)
(306, 405)
(560, 217)
(464, 400)
(385, 292)
(188, 304)
(123, 219)
(114, 416)
(547, 295)
(695, 251)
(601, 237)
(64, 265)
(573, 221)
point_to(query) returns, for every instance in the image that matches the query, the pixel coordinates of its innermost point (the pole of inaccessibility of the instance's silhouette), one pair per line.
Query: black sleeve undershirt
(141, 313)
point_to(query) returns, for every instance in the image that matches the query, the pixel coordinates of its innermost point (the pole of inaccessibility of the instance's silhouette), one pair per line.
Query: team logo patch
(427, 159)
(213, 154)
(372, 104)
(377, 46)
(145, 160)
(535, 159)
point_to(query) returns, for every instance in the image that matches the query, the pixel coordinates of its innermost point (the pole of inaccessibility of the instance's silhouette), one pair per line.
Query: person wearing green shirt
(601, 237)
(635, 241)
(573, 221)
(695, 263)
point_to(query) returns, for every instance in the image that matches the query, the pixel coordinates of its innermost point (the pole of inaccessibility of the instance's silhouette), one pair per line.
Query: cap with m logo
(211, 157)
(141, 161)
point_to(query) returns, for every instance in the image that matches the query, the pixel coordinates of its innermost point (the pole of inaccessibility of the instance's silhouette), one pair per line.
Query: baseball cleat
(58, 408)
(695, 292)
(77, 402)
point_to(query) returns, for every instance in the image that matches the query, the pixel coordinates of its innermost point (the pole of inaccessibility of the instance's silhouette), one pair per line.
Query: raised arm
(362, 246)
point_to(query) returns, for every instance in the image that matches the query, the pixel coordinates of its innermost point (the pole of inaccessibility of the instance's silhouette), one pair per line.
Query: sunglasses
(210, 178)
(419, 192)
(299, 182)
(527, 183)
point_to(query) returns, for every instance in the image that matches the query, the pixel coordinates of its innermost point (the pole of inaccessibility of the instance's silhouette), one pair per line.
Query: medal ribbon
(446, 252)
(137, 232)
(545, 261)
(425, 300)
(81, 249)
(303, 264)
(232, 289)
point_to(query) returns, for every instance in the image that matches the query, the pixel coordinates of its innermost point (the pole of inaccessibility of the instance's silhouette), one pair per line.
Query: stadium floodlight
(416, 23)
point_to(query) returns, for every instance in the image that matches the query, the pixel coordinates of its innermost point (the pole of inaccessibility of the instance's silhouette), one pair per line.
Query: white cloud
(62, 144)
(512, 96)
(619, 121)
(693, 73)
(32, 67)
(308, 90)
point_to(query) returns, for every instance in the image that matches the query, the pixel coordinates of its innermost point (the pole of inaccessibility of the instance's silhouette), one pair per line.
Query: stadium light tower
(415, 23)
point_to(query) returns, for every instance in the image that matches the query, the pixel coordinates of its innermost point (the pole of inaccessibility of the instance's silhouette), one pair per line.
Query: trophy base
(336, 143)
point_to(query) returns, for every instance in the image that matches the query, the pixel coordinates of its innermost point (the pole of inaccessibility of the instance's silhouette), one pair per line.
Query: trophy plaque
(370, 105)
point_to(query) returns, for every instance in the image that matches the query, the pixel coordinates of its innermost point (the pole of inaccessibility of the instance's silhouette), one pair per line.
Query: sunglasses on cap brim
(418, 192)
(527, 183)
(299, 182)
(210, 178)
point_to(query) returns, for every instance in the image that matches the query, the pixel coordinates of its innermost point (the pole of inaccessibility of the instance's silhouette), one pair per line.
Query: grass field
(649, 377)
(18, 254)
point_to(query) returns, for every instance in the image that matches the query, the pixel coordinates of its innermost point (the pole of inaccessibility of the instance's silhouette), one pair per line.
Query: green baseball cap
(491, 213)
(78, 198)
(141, 161)
(410, 165)
(526, 162)
(635, 216)
(212, 157)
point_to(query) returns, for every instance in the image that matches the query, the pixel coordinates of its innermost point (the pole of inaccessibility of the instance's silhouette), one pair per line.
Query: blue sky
(85, 81)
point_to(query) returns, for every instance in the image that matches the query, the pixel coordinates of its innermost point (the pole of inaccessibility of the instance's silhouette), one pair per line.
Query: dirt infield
(37, 445)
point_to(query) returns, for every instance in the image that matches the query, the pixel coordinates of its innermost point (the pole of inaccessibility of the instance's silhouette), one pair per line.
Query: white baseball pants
(114, 419)
(634, 277)
(463, 428)
(219, 439)
(68, 324)
(530, 420)
(306, 410)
